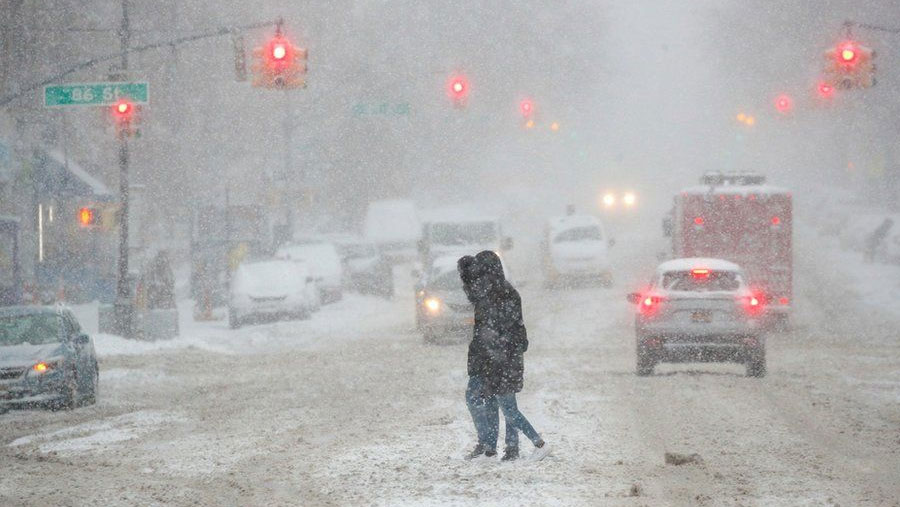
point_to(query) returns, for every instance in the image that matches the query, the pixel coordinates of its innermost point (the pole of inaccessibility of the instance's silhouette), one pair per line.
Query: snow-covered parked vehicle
(324, 266)
(271, 289)
(367, 270)
(699, 310)
(576, 247)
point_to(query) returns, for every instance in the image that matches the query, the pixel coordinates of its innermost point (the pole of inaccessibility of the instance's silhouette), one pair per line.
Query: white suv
(699, 310)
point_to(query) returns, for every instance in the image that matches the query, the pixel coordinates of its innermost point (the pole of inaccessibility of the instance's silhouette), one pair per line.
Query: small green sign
(95, 94)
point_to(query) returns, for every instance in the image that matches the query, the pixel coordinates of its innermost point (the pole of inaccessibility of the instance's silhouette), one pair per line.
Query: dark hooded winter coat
(478, 361)
(500, 340)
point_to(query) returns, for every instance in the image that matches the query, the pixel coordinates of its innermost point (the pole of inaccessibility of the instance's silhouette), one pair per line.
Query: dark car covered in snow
(45, 359)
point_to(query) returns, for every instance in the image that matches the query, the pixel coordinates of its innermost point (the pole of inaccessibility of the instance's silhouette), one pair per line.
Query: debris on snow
(674, 458)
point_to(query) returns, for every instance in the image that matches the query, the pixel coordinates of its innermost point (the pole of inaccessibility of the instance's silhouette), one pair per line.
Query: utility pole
(124, 307)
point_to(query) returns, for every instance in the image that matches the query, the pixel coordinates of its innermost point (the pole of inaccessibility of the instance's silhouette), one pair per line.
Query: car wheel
(90, 397)
(645, 364)
(233, 321)
(756, 365)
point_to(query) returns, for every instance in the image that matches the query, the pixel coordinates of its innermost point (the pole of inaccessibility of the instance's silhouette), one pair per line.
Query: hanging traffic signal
(849, 65)
(458, 90)
(784, 104)
(279, 64)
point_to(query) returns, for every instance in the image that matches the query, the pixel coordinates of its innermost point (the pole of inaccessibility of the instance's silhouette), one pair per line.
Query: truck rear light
(783, 301)
(698, 220)
(650, 305)
(700, 273)
(776, 221)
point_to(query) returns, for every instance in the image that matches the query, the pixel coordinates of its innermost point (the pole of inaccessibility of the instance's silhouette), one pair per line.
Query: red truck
(737, 217)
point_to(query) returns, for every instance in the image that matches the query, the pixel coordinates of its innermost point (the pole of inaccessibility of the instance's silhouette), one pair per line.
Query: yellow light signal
(554, 126)
(529, 124)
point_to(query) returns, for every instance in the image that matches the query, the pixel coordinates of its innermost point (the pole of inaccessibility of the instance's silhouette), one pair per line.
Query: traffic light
(458, 90)
(87, 217)
(279, 64)
(849, 65)
(784, 104)
(825, 89)
(526, 106)
(123, 110)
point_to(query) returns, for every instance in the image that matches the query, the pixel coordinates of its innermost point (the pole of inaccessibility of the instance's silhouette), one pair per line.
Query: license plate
(702, 317)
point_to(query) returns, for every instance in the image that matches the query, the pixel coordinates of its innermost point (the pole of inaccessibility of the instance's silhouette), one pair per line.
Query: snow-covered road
(353, 408)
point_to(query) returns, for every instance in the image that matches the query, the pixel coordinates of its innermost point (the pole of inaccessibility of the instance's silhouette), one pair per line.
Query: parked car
(368, 271)
(324, 265)
(699, 310)
(576, 248)
(45, 359)
(272, 289)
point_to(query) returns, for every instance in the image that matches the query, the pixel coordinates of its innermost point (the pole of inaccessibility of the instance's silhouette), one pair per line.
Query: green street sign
(95, 94)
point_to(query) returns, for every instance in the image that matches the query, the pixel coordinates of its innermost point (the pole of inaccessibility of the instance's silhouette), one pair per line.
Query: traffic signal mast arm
(56, 78)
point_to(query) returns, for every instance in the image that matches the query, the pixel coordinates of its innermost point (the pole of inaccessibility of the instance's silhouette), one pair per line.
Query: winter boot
(510, 454)
(477, 451)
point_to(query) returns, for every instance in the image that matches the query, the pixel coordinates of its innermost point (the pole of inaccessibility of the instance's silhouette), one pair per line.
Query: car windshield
(588, 233)
(687, 281)
(466, 233)
(33, 329)
(448, 280)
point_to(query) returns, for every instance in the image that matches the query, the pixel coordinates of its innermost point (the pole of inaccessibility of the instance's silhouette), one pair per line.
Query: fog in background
(645, 94)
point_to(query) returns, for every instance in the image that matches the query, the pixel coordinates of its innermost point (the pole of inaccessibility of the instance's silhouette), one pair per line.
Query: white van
(393, 226)
(576, 247)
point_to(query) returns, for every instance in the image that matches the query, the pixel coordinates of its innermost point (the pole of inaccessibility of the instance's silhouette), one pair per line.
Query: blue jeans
(515, 421)
(484, 413)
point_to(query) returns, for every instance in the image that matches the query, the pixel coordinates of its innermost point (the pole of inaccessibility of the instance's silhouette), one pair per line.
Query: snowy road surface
(352, 408)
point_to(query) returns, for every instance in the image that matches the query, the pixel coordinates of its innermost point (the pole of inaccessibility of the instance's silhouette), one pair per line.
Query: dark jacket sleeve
(513, 323)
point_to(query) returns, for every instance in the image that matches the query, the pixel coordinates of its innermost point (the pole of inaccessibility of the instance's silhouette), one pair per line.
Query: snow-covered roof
(742, 190)
(690, 263)
(96, 186)
(562, 223)
(456, 214)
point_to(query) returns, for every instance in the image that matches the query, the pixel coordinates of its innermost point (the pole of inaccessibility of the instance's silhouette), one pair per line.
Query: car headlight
(433, 305)
(629, 199)
(44, 367)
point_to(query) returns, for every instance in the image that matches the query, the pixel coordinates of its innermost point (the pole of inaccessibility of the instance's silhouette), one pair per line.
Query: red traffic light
(123, 109)
(86, 217)
(826, 90)
(458, 88)
(847, 52)
(784, 104)
(527, 107)
(279, 51)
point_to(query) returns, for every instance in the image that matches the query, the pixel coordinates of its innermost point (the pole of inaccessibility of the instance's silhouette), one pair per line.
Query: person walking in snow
(502, 341)
(481, 404)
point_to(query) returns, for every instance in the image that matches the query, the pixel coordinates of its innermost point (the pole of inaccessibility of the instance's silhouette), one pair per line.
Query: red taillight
(753, 304)
(783, 301)
(650, 304)
(776, 221)
(698, 220)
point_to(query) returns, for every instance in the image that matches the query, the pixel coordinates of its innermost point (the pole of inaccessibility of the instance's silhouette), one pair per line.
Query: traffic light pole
(124, 306)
